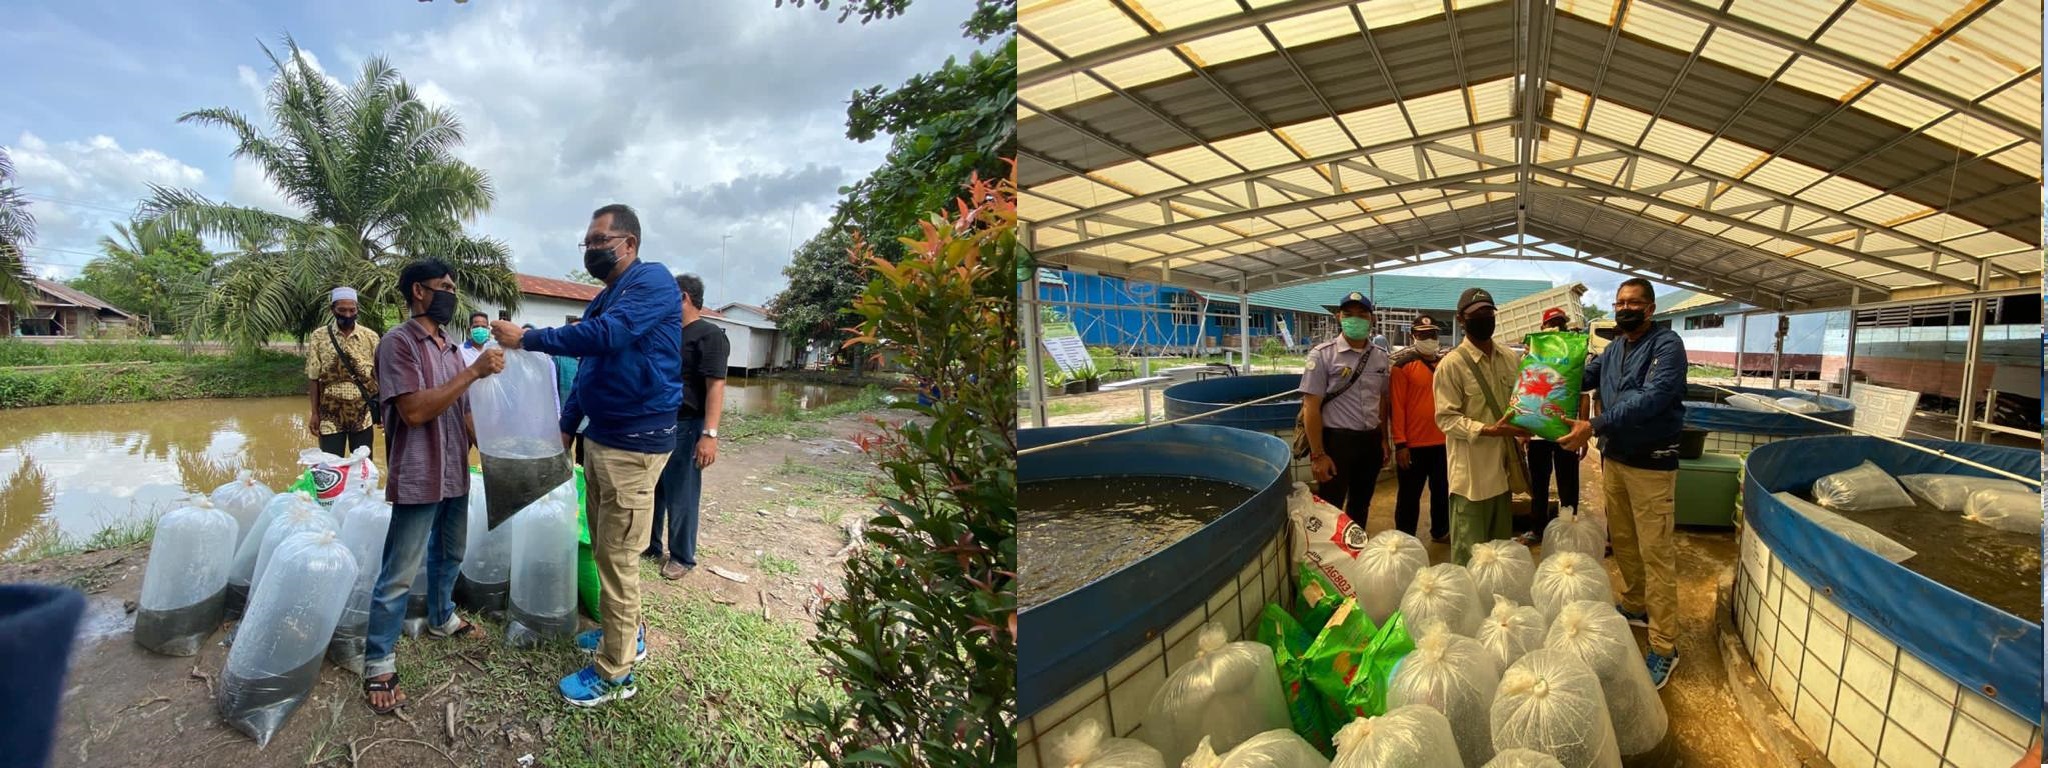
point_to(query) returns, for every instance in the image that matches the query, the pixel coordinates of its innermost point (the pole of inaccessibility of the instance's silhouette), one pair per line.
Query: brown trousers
(1640, 508)
(620, 485)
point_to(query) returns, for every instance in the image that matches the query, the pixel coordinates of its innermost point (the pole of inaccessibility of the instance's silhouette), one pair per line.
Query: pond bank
(126, 372)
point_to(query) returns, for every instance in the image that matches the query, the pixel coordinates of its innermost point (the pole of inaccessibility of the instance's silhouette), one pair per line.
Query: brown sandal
(386, 685)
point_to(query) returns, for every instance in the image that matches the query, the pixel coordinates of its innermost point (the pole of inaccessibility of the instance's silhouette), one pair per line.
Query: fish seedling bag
(1090, 746)
(1386, 567)
(1550, 702)
(365, 519)
(184, 588)
(1863, 489)
(486, 580)
(1547, 392)
(1948, 493)
(1290, 643)
(1573, 532)
(1502, 569)
(1456, 676)
(1229, 692)
(1522, 758)
(1510, 631)
(243, 499)
(1443, 593)
(1567, 578)
(2006, 510)
(516, 433)
(1596, 634)
(1272, 749)
(251, 546)
(275, 663)
(1408, 737)
(543, 570)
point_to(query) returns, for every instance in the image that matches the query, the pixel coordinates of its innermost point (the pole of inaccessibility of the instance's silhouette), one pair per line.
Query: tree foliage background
(145, 271)
(944, 127)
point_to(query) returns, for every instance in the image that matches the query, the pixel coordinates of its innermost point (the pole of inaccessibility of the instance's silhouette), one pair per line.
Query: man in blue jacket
(1640, 380)
(629, 383)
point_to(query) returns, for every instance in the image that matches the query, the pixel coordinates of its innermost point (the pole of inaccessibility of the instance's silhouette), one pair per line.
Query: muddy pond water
(1999, 568)
(1074, 531)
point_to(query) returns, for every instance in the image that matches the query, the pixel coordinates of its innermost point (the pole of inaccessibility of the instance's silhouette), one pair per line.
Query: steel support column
(1967, 405)
(1034, 368)
(1244, 328)
(1849, 364)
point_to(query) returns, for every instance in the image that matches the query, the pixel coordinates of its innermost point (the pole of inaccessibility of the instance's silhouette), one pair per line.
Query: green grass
(162, 373)
(776, 565)
(787, 419)
(44, 542)
(1708, 372)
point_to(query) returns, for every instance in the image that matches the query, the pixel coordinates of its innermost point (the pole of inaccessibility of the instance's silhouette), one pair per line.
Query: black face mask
(345, 322)
(1629, 319)
(441, 308)
(600, 262)
(1480, 328)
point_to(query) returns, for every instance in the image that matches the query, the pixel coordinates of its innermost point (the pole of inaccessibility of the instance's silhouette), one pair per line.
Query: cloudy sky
(710, 118)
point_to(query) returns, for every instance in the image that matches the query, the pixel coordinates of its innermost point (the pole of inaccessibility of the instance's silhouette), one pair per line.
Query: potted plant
(1091, 380)
(1056, 381)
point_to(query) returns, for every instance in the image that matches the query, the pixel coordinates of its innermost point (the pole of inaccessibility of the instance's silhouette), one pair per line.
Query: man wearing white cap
(341, 361)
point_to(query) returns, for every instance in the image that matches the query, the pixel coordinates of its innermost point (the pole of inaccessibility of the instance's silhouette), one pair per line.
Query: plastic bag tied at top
(243, 499)
(1502, 569)
(1456, 676)
(1408, 737)
(2005, 509)
(1272, 749)
(1443, 593)
(1229, 692)
(1511, 630)
(1951, 493)
(1522, 758)
(1090, 746)
(298, 519)
(184, 587)
(1547, 392)
(1565, 578)
(517, 434)
(543, 583)
(251, 546)
(1551, 702)
(1596, 634)
(1573, 532)
(1386, 567)
(1856, 533)
(1863, 489)
(275, 661)
(486, 584)
(365, 519)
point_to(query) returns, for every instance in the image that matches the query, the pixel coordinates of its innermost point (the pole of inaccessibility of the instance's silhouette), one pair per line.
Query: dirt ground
(777, 513)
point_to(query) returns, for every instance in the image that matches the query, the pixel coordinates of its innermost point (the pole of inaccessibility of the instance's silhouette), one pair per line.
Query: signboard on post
(1064, 345)
(1882, 410)
(1286, 337)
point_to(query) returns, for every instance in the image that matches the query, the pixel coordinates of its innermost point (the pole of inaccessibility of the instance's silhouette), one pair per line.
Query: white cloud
(79, 189)
(249, 187)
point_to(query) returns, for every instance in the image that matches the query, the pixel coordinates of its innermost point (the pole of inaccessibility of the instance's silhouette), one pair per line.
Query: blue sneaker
(1660, 668)
(587, 688)
(587, 642)
(1635, 618)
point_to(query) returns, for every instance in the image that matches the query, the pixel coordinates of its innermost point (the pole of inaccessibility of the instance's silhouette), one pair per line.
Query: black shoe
(651, 553)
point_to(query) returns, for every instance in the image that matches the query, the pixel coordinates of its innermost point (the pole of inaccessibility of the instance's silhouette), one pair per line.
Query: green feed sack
(1290, 644)
(1319, 598)
(1547, 393)
(1336, 657)
(587, 590)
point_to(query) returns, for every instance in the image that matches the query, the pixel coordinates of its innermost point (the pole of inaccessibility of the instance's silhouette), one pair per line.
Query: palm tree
(17, 230)
(371, 169)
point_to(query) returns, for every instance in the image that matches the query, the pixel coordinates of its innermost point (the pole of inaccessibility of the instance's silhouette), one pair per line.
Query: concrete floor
(1708, 729)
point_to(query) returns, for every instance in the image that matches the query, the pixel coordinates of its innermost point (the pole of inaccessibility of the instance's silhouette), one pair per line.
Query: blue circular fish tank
(1195, 398)
(1075, 637)
(1707, 411)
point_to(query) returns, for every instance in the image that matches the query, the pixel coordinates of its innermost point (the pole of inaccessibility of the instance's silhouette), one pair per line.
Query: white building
(546, 302)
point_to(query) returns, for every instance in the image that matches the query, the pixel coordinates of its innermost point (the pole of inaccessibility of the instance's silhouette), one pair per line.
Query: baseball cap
(1474, 297)
(1423, 324)
(1553, 313)
(1353, 297)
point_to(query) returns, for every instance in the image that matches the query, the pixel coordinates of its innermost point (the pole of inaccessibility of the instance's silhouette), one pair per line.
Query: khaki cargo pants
(620, 485)
(1640, 506)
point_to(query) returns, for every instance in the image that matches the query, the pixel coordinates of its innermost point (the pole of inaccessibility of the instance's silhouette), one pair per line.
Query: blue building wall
(1141, 316)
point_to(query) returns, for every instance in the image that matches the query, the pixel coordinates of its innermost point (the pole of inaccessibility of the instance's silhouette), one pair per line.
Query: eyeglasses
(1631, 305)
(593, 242)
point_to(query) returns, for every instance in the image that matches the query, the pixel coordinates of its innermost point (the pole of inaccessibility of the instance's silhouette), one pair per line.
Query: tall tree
(145, 271)
(17, 230)
(372, 171)
(824, 281)
(1593, 312)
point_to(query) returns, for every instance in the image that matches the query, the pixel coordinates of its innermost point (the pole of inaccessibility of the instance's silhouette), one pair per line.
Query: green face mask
(1356, 328)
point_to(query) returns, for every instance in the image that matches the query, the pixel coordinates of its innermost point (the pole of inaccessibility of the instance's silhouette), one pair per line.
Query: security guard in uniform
(1345, 409)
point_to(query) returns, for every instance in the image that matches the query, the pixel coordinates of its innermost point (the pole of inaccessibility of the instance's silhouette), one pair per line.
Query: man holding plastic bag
(629, 382)
(1473, 386)
(428, 434)
(1640, 380)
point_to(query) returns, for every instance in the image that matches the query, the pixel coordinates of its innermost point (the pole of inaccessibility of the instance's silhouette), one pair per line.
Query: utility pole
(722, 284)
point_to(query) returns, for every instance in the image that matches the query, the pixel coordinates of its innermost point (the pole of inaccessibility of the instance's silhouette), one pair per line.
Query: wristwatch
(711, 433)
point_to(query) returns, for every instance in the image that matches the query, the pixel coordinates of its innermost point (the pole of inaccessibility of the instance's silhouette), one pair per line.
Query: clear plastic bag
(1091, 746)
(1856, 533)
(243, 499)
(276, 661)
(1443, 593)
(1522, 758)
(1951, 493)
(1551, 702)
(1511, 630)
(1408, 737)
(1229, 692)
(1596, 634)
(543, 578)
(1573, 532)
(1326, 539)
(415, 623)
(2006, 510)
(1272, 749)
(1566, 578)
(1862, 489)
(1749, 402)
(1502, 569)
(251, 546)
(516, 434)
(1456, 676)
(184, 587)
(298, 519)
(1386, 566)
(1798, 405)
(365, 519)
(486, 584)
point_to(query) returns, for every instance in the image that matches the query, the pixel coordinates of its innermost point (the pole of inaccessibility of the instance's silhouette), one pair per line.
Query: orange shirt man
(1418, 444)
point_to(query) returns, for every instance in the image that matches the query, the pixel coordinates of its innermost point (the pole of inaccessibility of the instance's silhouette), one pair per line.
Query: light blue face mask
(480, 335)
(1356, 328)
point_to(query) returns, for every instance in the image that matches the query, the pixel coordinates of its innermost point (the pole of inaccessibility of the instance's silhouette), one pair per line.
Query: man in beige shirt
(1474, 383)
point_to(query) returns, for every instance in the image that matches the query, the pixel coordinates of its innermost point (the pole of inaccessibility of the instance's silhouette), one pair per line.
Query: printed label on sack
(1350, 536)
(1334, 574)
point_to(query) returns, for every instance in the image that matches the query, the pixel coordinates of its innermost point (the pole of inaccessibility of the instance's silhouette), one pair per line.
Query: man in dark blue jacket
(1640, 380)
(629, 383)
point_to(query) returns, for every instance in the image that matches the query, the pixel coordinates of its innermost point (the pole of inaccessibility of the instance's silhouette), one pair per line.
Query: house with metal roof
(61, 310)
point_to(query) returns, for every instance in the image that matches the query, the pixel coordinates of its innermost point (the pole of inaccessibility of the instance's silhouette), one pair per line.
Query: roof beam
(1336, 222)
(1703, 280)
(1172, 37)
(1844, 61)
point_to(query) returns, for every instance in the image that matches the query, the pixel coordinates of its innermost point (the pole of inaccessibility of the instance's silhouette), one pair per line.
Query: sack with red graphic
(328, 476)
(1325, 539)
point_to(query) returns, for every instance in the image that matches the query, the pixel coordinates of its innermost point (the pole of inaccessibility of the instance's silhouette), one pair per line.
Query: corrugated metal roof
(73, 297)
(1277, 143)
(1387, 291)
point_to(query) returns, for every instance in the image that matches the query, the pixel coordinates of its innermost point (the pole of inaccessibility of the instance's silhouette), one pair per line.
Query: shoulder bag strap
(1356, 371)
(349, 364)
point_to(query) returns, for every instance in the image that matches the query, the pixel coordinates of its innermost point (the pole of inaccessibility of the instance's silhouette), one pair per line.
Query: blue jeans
(677, 494)
(437, 531)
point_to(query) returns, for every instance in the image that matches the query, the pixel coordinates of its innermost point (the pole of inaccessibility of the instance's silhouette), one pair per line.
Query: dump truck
(1521, 317)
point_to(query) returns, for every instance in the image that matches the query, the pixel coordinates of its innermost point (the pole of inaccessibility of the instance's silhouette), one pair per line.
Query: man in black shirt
(682, 480)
